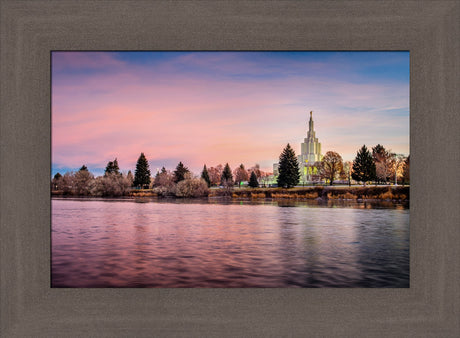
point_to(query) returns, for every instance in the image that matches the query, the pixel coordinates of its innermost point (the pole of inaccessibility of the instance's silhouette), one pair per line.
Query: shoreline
(319, 193)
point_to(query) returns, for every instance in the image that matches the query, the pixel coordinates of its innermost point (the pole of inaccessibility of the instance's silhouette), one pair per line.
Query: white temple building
(310, 152)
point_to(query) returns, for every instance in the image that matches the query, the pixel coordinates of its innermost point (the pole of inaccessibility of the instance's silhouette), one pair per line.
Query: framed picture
(234, 184)
(31, 31)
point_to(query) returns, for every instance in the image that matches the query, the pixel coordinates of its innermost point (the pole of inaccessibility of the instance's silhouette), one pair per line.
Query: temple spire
(311, 132)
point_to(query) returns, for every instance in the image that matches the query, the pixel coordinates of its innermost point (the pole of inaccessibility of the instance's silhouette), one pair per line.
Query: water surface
(191, 243)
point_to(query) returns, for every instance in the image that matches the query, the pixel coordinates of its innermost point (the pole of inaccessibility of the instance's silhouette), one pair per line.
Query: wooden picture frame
(31, 29)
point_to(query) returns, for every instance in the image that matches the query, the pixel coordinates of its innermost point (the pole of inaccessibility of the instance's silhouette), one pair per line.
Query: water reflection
(182, 243)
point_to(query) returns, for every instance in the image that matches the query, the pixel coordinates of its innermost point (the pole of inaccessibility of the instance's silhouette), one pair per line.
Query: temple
(309, 158)
(310, 152)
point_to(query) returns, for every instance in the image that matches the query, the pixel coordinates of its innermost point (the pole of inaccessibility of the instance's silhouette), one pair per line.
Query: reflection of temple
(310, 152)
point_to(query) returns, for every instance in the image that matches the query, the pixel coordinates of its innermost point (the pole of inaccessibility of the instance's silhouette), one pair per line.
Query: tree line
(181, 182)
(379, 165)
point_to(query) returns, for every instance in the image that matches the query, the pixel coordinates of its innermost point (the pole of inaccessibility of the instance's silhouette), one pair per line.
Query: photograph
(230, 169)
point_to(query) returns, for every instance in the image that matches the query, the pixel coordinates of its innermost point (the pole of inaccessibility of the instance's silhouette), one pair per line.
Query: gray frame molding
(430, 30)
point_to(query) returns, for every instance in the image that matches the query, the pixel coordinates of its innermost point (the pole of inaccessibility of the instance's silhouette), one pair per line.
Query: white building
(310, 153)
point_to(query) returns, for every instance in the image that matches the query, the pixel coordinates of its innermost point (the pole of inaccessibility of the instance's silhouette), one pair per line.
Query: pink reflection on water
(127, 244)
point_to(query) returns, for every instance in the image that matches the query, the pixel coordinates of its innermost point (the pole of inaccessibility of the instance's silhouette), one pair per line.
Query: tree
(180, 172)
(253, 183)
(164, 182)
(347, 171)
(215, 174)
(256, 170)
(363, 166)
(130, 178)
(288, 168)
(406, 170)
(226, 178)
(205, 176)
(241, 174)
(399, 160)
(112, 168)
(156, 181)
(111, 185)
(55, 182)
(266, 178)
(142, 172)
(192, 187)
(82, 182)
(331, 166)
(66, 183)
(383, 163)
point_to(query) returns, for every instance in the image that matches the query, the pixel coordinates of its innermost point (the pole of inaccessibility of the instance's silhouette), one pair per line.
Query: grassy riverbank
(384, 193)
(398, 193)
(339, 192)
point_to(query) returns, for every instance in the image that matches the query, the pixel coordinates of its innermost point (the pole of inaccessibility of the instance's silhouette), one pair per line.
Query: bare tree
(331, 166)
(192, 187)
(398, 166)
(82, 182)
(164, 182)
(256, 170)
(215, 174)
(384, 162)
(240, 174)
(406, 170)
(347, 171)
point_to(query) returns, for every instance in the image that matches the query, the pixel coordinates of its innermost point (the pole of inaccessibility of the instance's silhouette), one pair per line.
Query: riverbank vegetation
(387, 193)
(379, 167)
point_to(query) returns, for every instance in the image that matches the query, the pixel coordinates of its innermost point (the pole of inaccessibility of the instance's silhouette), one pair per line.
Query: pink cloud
(202, 120)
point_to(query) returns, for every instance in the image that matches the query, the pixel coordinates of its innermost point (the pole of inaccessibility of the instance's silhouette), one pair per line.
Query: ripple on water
(125, 244)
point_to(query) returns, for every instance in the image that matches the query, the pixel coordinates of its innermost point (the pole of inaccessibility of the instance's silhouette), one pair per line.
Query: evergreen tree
(227, 178)
(116, 168)
(55, 182)
(112, 168)
(288, 168)
(180, 172)
(363, 166)
(83, 168)
(253, 183)
(142, 173)
(205, 176)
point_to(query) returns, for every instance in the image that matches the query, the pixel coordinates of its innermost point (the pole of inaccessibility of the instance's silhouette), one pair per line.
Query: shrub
(349, 196)
(110, 185)
(192, 187)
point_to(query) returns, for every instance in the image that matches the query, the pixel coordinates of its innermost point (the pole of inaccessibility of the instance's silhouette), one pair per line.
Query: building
(310, 153)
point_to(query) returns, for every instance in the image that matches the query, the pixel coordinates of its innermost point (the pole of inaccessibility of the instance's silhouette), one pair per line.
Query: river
(200, 243)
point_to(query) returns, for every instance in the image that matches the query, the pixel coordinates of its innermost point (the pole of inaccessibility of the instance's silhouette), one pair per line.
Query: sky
(217, 107)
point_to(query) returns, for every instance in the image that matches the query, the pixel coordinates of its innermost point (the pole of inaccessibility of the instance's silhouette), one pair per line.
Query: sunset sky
(217, 107)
